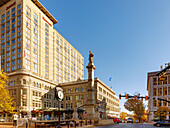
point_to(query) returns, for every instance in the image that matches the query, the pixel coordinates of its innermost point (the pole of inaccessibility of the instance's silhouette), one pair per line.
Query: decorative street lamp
(59, 96)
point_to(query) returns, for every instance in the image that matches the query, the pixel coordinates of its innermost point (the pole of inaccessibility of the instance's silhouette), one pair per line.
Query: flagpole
(110, 79)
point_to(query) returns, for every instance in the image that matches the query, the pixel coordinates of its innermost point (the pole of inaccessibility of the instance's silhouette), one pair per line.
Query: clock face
(60, 95)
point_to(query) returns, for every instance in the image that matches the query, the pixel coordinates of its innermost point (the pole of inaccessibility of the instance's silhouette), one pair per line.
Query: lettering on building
(47, 21)
(10, 5)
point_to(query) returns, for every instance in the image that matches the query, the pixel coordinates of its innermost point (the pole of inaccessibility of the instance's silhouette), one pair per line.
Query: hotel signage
(47, 21)
(10, 5)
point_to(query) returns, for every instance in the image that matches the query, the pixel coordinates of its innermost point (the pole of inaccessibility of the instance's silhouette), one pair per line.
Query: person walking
(15, 118)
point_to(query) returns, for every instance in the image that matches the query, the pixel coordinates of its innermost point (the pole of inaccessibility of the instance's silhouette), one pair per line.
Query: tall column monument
(89, 106)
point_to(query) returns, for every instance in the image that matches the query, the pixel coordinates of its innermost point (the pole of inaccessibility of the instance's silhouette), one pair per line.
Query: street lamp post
(59, 126)
(59, 96)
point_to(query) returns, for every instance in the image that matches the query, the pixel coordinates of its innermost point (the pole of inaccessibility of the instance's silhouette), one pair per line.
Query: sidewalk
(86, 126)
(6, 126)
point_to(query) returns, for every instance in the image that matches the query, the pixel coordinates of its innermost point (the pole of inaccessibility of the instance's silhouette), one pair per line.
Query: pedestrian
(15, 118)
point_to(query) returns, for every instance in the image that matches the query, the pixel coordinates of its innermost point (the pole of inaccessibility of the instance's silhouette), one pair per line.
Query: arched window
(81, 89)
(77, 89)
(9, 84)
(14, 82)
(24, 81)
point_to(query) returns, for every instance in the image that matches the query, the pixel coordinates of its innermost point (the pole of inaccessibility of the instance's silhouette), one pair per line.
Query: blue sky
(128, 37)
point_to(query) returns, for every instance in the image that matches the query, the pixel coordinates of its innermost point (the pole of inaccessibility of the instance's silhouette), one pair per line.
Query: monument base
(105, 122)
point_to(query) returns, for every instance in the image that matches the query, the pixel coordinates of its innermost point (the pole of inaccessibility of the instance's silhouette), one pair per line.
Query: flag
(85, 114)
(110, 79)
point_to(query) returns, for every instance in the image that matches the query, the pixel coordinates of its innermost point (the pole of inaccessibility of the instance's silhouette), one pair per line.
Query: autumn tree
(162, 112)
(136, 106)
(123, 115)
(5, 100)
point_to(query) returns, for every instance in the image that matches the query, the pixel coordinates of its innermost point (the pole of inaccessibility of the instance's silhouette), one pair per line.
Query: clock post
(59, 96)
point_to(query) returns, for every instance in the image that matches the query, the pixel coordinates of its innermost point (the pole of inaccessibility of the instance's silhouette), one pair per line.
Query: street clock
(59, 94)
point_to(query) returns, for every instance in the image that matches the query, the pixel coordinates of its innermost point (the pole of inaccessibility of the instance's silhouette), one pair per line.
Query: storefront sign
(10, 5)
(47, 21)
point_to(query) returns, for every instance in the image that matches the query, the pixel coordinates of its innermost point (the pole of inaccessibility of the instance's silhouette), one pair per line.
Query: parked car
(120, 120)
(162, 123)
(129, 120)
(2, 120)
(116, 120)
(136, 121)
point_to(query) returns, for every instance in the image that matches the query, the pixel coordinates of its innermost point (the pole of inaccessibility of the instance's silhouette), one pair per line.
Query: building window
(8, 64)
(8, 59)
(24, 81)
(19, 61)
(13, 20)
(3, 30)
(3, 26)
(8, 23)
(19, 22)
(19, 50)
(29, 10)
(19, 39)
(19, 12)
(159, 91)
(24, 102)
(8, 69)
(13, 62)
(3, 21)
(13, 52)
(165, 80)
(19, 66)
(8, 28)
(13, 15)
(168, 90)
(8, 13)
(3, 16)
(19, 44)
(165, 91)
(19, 6)
(13, 46)
(13, 26)
(13, 68)
(18, 55)
(19, 17)
(13, 10)
(13, 57)
(8, 18)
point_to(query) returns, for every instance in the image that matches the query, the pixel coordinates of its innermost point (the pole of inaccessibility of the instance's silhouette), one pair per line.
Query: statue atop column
(91, 57)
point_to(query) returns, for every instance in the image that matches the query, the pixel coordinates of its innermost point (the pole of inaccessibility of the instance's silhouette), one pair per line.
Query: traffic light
(146, 97)
(127, 96)
(119, 96)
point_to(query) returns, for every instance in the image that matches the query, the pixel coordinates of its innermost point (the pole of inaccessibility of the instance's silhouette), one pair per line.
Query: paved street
(125, 125)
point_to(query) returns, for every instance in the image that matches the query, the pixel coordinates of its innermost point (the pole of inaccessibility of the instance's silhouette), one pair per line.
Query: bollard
(81, 122)
(90, 121)
(26, 125)
(55, 124)
(67, 124)
(75, 123)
